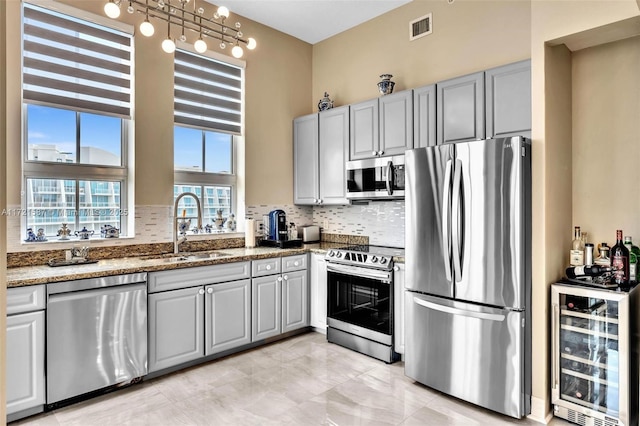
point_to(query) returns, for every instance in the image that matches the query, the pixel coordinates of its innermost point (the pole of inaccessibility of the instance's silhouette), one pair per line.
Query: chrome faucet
(176, 243)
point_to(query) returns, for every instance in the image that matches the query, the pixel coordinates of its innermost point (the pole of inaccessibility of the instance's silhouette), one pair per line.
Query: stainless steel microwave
(376, 178)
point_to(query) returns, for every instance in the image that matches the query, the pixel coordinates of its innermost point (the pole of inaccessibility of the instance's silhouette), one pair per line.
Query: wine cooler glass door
(588, 352)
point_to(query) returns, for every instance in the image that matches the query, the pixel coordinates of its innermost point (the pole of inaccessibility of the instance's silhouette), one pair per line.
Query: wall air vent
(420, 27)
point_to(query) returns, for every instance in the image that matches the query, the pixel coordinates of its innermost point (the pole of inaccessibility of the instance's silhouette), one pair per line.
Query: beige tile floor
(302, 380)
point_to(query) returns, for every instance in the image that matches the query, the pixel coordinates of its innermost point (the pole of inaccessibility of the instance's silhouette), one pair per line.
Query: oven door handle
(384, 276)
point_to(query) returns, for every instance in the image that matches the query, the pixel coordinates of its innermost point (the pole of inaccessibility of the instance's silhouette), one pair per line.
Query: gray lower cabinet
(196, 312)
(25, 351)
(227, 316)
(398, 309)
(295, 300)
(281, 300)
(266, 293)
(508, 100)
(176, 327)
(460, 109)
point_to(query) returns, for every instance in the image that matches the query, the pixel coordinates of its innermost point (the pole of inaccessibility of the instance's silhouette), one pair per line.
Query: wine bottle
(591, 271)
(576, 255)
(634, 258)
(620, 261)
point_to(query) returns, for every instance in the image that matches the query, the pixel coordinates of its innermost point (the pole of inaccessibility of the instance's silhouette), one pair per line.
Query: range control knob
(339, 254)
(383, 260)
(331, 253)
(374, 259)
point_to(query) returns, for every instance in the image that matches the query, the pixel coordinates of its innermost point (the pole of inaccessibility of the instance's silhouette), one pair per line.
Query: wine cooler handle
(555, 324)
(446, 207)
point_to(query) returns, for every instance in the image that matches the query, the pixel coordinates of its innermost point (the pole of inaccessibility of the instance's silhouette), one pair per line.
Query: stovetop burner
(378, 257)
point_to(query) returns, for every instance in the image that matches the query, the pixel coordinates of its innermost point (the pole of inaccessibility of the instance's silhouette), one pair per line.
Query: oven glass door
(361, 301)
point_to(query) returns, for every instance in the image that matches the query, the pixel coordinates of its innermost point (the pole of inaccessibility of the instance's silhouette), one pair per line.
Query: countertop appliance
(97, 334)
(595, 354)
(468, 271)
(278, 225)
(309, 234)
(360, 299)
(376, 178)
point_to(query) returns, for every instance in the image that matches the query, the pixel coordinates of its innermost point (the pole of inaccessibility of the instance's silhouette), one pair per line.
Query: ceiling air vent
(420, 27)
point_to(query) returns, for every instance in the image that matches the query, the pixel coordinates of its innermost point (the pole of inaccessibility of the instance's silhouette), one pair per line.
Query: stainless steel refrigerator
(468, 271)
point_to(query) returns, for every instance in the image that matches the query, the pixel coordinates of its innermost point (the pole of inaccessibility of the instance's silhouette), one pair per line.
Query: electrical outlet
(325, 224)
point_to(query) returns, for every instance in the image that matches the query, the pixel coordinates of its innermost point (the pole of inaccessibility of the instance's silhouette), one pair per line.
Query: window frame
(34, 169)
(203, 178)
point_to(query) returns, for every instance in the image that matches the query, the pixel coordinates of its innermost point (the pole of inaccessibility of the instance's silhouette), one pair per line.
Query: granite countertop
(43, 274)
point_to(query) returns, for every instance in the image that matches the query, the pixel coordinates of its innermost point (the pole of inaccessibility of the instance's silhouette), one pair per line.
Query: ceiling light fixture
(187, 18)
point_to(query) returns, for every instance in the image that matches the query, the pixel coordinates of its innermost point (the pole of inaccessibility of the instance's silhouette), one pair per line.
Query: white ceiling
(309, 20)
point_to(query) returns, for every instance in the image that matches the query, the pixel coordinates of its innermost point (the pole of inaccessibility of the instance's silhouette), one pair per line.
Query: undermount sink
(188, 257)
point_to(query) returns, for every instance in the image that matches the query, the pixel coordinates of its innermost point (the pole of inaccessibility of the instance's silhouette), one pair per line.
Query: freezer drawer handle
(450, 310)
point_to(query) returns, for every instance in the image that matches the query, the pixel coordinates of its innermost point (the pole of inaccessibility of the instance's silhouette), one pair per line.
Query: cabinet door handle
(279, 279)
(396, 268)
(374, 153)
(209, 290)
(296, 263)
(286, 277)
(268, 267)
(380, 152)
(201, 291)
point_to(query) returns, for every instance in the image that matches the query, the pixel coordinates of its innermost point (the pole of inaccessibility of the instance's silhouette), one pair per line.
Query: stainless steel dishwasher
(96, 334)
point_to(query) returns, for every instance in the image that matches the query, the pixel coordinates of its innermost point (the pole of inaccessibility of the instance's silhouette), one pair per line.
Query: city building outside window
(208, 118)
(77, 84)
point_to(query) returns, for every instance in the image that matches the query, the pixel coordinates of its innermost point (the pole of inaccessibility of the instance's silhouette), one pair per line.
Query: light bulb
(112, 10)
(223, 45)
(146, 28)
(223, 11)
(200, 46)
(252, 43)
(130, 9)
(183, 38)
(168, 45)
(237, 52)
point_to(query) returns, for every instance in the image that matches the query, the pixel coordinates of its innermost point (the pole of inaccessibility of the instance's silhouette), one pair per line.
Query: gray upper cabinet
(424, 116)
(321, 147)
(334, 152)
(363, 135)
(508, 100)
(227, 316)
(305, 162)
(460, 109)
(381, 127)
(396, 123)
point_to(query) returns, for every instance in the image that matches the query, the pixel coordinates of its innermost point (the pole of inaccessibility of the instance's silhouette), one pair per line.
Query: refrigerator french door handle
(456, 311)
(446, 207)
(554, 345)
(388, 181)
(457, 233)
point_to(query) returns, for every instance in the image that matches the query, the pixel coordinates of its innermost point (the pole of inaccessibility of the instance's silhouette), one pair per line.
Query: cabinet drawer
(294, 263)
(264, 267)
(196, 276)
(25, 299)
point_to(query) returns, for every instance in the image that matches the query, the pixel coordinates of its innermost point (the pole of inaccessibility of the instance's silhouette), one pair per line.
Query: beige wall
(551, 134)
(278, 86)
(606, 152)
(467, 36)
(3, 219)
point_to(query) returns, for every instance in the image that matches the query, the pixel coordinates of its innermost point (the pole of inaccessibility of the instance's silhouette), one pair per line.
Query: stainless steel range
(360, 299)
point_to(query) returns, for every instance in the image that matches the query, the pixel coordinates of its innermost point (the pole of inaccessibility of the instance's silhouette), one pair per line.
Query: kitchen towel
(249, 233)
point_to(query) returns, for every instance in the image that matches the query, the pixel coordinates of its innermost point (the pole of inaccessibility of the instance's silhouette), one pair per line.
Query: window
(208, 119)
(77, 94)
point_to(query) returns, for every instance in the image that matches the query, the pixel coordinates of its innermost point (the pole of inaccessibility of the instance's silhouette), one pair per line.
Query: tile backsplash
(381, 221)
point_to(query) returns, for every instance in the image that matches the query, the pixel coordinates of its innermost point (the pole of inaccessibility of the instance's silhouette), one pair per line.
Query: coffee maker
(278, 226)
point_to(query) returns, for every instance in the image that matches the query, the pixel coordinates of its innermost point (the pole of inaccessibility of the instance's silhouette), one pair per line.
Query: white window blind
(208, 93)
(75, 64)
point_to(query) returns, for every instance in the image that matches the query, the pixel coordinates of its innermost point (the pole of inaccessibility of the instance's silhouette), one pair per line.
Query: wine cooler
(595, 355)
